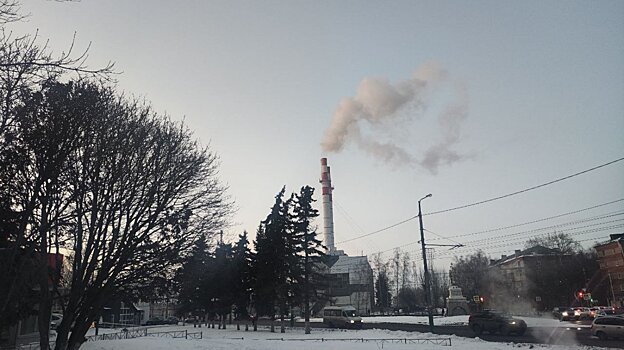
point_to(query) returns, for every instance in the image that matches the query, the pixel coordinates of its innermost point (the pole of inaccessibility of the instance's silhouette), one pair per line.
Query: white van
(341, 317)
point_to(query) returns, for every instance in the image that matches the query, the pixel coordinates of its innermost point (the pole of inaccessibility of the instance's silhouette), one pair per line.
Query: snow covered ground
(215, 339)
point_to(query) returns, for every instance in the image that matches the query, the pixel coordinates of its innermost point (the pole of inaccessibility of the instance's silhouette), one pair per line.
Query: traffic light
(580, 294)
(482, 299)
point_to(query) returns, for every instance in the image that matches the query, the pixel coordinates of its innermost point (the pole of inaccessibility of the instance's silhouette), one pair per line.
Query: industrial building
(350, 278)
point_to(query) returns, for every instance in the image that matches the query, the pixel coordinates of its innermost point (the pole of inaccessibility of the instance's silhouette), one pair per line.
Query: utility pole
(612, 294)
(424, 255)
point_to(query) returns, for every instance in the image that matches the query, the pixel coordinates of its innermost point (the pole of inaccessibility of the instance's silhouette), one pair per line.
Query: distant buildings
(611, 280)
(530, 278)
(349, 278)
(349, 282)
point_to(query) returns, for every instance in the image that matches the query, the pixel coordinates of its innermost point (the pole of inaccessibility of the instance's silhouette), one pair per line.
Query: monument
(456, 304)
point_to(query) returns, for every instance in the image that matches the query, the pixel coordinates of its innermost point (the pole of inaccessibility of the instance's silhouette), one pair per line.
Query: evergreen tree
(192, 278)
(312, 246)
(382, 290)
(271, 263)
(223, 279)
(242, 276)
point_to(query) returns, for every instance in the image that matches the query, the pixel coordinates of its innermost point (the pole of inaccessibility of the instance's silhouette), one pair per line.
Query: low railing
(125, 334)
(142, 332)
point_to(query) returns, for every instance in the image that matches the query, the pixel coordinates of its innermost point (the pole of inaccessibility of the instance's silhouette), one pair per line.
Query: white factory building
(350, 278)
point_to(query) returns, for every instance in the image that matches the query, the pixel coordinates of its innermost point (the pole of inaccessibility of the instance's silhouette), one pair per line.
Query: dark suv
(493, 322)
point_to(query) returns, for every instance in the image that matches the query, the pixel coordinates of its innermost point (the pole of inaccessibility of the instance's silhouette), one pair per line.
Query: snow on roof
(347, 264)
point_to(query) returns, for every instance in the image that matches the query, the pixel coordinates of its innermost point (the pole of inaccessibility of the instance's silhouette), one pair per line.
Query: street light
(424, 254)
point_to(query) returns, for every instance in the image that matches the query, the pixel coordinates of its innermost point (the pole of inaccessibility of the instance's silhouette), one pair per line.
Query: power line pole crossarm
(427, 275)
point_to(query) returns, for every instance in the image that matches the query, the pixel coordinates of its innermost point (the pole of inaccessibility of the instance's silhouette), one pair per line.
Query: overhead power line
(531, 222)
(564, 227)
(485, 201)
(526, 189)
(507, 244)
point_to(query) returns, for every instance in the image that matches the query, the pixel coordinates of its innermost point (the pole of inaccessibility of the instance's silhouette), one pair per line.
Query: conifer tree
(242, 276)
(192, 278)
(311, 245)
(271, 266)
(223, 280)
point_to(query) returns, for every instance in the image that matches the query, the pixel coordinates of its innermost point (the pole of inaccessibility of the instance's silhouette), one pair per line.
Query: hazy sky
(464, 100)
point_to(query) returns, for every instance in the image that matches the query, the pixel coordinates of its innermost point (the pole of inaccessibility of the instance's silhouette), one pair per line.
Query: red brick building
(611, 259)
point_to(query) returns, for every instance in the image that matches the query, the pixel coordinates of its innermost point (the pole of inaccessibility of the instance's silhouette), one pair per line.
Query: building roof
(617, 237)
(346, 264)
(537, 250)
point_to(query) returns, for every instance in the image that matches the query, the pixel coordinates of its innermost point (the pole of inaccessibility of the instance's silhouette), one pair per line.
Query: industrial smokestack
(328, 211)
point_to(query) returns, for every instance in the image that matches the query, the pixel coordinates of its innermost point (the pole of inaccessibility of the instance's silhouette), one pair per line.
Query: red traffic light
(580, 294)
(482, 299)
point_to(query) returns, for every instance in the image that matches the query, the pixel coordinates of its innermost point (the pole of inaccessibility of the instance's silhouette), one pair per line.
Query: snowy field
(215, 339)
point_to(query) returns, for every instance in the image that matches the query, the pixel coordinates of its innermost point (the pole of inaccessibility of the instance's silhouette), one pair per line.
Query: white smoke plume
(381, 108)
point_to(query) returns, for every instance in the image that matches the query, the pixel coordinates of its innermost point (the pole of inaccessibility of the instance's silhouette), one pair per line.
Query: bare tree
(470, 273)
(560, 241)
(32, 199)
(143, 192)
(126, 190)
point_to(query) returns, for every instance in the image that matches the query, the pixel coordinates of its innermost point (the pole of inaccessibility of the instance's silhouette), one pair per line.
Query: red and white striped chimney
(328, 211)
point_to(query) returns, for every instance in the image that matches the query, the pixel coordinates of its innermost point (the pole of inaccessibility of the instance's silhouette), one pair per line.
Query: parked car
(172, 320)
(606, 327)
(155, 321)
(605, 312)
(493, 322)
(556, 312)
(567, 314)
(593, 311)
(581, 313)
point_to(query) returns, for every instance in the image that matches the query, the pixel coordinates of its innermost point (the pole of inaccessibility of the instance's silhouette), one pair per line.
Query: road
(571, 333)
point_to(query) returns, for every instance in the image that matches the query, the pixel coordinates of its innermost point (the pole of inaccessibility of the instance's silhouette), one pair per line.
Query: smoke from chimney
(380, 108)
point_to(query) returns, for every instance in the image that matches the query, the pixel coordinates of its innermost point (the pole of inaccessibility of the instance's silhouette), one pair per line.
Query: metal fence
(142, 332)
(126, 334)
(177, 334)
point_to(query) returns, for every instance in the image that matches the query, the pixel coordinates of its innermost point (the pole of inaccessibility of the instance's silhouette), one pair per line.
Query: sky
(464, 100)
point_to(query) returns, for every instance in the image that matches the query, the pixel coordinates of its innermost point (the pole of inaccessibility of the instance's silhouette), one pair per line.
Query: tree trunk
(306, 298)
(282, 329)
(45, 304)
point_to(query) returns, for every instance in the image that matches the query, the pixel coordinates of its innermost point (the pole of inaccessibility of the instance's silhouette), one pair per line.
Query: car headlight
(352, 321)
(565, 313)
(512, 322)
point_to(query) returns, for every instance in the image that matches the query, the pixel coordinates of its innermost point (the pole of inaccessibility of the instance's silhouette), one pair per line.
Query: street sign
(538, 299)
(587, 296)
(475, 298)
